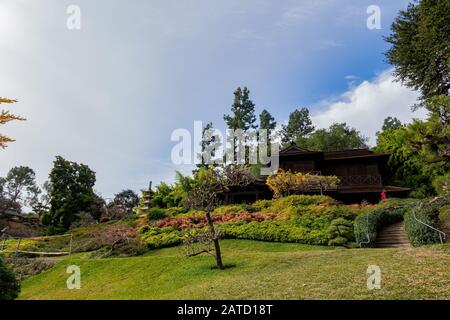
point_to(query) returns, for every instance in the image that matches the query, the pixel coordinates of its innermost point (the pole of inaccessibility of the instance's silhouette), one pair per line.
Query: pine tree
(242, 117)
(267, 121)
(243, 111)
(298, 127)
(207, 142)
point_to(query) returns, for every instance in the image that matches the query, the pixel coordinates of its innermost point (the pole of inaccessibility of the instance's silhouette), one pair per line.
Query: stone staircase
(393, 236)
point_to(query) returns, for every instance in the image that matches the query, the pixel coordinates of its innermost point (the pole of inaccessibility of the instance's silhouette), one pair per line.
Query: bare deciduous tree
(204, 196)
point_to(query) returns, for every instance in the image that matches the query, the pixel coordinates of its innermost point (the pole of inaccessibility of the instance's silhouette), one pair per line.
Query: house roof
(294, 150)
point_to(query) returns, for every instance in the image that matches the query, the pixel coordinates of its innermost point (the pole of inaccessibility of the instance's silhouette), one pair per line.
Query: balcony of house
(361, 180)
(360, 184)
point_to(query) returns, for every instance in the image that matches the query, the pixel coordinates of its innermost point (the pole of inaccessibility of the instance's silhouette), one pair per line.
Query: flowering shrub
(297, 218)
(284, 183)
(199, 221)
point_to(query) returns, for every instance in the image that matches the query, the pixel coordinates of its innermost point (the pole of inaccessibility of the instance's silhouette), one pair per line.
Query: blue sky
(110, 95)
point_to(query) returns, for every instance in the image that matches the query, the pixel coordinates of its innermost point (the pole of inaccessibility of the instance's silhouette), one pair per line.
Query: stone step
(393, 230)
(403, 234)
(392, 243)
(397, 235)
(392, 236)
(393, 247)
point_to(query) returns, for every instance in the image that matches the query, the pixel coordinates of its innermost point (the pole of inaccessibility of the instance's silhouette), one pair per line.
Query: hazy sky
(110, 95)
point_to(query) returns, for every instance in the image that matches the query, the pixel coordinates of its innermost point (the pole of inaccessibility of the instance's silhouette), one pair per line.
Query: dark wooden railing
(362, 180)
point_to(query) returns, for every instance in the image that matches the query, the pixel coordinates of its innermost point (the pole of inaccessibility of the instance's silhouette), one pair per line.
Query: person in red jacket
(383, 195)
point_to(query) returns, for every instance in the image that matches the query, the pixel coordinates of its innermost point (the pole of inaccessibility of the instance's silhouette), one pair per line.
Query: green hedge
(156, 238)
(428, 212)
(279, 205)
(274, 232)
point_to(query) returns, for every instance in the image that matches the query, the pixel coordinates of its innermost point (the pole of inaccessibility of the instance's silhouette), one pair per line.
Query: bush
(156, 214)
(199, 221)
(442, 184)
(340, 232)
(129, 248)
(303, 200)
(444, 213)
(427, 212)
(156, 238)
(236, 208)
(83, 219)
(260, 205)
(118, 240)
(9, 286)
(273, 232)
(174, 211)
(27, 267)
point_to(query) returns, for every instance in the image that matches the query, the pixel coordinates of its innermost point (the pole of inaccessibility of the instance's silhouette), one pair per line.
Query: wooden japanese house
(361, 173)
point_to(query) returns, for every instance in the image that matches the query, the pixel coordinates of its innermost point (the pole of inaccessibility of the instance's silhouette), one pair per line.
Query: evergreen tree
(298, 127)
(420, 51)
(242, 116)
(243, 111)
(208, 141)
(267, 121)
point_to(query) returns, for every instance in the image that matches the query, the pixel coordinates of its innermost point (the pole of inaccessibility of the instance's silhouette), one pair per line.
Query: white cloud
(365, 106)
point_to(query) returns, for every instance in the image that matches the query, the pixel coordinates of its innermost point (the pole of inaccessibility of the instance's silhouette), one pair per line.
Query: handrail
(367, 234)
(441, 233)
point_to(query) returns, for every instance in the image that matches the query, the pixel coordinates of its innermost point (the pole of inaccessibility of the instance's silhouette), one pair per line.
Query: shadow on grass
(225, 267)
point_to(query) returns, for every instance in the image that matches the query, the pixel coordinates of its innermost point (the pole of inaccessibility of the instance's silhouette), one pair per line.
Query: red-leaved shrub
(199, 221)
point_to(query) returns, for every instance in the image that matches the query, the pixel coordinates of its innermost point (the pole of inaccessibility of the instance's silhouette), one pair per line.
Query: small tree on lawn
(204, 196)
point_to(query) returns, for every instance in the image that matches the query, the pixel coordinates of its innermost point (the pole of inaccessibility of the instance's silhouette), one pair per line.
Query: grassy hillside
(258, 270)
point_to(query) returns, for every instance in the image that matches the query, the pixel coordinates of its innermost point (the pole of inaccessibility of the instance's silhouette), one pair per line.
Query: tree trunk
(216, 241)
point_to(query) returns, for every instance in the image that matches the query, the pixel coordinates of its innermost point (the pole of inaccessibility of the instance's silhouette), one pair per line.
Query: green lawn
(259, 271)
